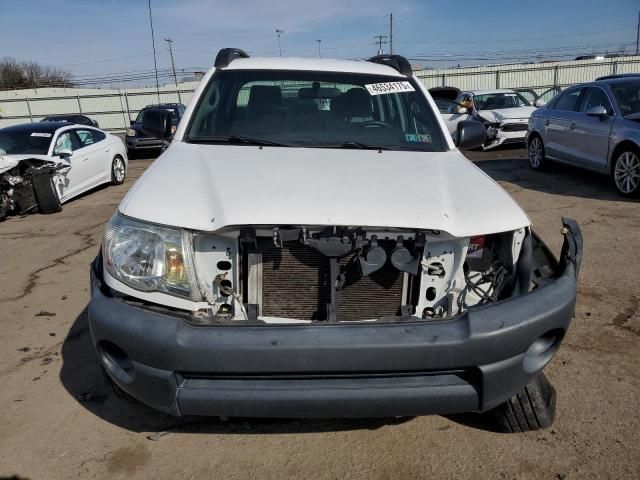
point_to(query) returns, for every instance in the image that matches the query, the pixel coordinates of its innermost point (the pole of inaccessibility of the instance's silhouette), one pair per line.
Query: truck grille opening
(515, 127)
(296, 284)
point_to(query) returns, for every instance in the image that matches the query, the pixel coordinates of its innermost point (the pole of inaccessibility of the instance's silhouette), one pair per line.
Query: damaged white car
(314, 244)
(45, 164)
(505, 114)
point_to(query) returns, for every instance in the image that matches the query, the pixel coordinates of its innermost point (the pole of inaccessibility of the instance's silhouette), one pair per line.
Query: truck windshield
(315, 109)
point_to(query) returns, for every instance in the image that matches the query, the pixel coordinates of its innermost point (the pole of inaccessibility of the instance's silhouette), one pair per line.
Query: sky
(97, 40)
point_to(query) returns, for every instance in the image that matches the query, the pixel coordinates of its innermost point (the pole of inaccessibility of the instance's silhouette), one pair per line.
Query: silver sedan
(595, 126)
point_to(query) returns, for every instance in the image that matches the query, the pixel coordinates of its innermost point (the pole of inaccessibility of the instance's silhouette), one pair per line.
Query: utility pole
(381, 41)
(391, 33)
(173, 67)
(153, 43)
(279, 32)
(638, 36)
(319, 40)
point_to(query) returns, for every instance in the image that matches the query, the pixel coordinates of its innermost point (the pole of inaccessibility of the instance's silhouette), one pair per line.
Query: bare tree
(16, 75)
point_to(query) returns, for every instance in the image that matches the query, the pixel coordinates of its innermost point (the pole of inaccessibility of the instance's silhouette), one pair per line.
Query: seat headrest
(356, 103)
(264, 97)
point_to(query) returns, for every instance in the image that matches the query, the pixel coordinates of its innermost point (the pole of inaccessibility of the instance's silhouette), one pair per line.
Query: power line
(514, 40)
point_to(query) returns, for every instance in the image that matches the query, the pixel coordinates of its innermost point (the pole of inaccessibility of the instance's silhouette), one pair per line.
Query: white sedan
(504, 112)
(43, 165)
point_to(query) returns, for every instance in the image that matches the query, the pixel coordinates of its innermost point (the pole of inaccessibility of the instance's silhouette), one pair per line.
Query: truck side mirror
(470, 134)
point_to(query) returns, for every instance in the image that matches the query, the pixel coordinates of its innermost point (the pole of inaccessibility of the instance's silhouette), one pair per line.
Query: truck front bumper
(410, 367)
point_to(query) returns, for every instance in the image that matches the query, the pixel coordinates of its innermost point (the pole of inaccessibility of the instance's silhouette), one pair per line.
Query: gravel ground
(60, 420)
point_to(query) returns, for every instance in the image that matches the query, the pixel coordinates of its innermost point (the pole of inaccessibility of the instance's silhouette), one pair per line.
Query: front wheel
(46, 195)
(626, 172)
(533, 408)
(118, 170)
(536, 153)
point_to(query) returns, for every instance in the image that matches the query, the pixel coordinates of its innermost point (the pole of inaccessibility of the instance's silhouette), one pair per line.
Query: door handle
(84, 159)
(107, 150)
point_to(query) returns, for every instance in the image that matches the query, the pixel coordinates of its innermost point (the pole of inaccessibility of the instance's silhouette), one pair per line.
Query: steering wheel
(374, 123)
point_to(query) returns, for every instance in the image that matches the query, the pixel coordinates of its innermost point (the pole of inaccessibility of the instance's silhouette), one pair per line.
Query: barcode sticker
(389, 87)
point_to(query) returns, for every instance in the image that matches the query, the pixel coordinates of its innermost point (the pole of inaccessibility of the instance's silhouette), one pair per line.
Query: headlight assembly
(148, 257)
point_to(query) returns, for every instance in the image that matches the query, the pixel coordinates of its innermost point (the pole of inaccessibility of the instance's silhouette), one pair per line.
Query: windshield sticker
(418, 138)
(389, 87)
(41, 134)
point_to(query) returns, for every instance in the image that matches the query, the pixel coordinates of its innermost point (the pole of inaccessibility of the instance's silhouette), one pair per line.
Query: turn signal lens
(176, 271)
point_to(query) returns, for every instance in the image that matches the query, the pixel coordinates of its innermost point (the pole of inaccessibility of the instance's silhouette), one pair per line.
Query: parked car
(505, 114)
(76, 119)
(546, 96)
(44, 164)
(594, 126)
(138, 141)
(312, 244)
(529, 94)
(452, 112)
(445, 98)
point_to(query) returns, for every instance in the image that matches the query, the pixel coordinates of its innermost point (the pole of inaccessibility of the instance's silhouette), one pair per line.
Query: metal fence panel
(539, 76)
(114, 109)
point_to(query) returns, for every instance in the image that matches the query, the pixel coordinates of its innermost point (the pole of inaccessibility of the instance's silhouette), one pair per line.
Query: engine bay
(17, 192)
(303, 274)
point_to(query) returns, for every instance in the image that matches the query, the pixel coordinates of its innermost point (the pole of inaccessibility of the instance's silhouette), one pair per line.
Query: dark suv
(138, 141)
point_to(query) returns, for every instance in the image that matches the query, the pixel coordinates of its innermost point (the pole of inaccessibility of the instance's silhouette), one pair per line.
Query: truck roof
(312, 64)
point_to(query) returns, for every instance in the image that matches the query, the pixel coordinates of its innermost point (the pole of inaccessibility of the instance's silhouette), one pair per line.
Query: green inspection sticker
(418, 138)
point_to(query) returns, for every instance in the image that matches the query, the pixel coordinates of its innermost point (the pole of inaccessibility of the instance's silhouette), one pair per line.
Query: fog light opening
(542, 350)
(117, 363)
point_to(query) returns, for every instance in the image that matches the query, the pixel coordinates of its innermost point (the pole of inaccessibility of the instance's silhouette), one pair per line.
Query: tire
(46, 195)
(535, 148)
(118, 170)
(625, 172)
(533, 408)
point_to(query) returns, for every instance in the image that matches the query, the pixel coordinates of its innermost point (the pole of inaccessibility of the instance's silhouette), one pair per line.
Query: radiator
(295, 283)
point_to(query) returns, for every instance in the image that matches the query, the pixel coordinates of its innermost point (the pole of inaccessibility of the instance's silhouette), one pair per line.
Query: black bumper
(471, 363)
(145, 143)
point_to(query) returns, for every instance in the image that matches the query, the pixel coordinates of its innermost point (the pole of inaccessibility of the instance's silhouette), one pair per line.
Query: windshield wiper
(364, 146)
(239, 140)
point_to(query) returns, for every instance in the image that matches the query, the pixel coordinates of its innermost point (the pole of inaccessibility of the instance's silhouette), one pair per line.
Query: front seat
(263, 100)
(356, 105)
